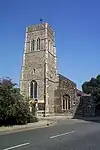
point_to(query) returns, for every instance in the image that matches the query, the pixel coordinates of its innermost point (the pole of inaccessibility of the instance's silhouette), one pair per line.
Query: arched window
(33, 89)
(38, 44)
(32, 45)
(66, 102)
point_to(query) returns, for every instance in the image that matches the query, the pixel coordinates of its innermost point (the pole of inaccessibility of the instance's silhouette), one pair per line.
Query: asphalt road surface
(66, 135)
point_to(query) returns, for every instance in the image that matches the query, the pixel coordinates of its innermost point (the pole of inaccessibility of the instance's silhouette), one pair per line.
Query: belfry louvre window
(33, 89)
(38, 44)
(32, 45)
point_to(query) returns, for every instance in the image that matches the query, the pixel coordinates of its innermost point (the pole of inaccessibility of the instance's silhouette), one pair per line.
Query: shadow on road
(93, 119)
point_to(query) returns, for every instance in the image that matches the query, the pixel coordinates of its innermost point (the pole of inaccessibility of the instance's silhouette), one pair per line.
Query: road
(66, 135)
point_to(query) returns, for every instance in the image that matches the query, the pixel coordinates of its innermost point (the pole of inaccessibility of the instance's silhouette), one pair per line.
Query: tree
(92, 87)
(14, 109)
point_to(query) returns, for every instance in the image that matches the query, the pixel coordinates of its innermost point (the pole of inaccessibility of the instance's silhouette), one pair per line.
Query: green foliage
(92, 87)
(31, 118)
(13, 108)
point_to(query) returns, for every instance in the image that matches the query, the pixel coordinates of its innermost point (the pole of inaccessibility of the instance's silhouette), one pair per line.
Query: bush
(13, 108)
(31, 118)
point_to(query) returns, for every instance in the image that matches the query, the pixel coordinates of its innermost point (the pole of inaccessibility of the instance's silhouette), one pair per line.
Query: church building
(40, 80)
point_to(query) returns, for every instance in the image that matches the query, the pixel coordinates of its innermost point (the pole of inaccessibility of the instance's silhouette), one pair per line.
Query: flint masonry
(40, 81)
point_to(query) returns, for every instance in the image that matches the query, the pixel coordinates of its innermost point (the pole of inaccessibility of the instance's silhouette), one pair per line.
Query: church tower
(39, 74)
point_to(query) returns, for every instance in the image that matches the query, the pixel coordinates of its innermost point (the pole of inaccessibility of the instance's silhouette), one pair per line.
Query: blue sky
(77, 27)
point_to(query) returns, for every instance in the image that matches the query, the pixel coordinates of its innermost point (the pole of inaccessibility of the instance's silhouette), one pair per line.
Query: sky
(77, 29)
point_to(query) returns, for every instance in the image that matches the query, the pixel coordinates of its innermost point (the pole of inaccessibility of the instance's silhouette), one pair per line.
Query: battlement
(38, 27)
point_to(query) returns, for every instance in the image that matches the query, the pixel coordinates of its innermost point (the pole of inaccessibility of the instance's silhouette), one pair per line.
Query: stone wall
(33, 61)
(51, 82)
(85, 105)
(68, 87)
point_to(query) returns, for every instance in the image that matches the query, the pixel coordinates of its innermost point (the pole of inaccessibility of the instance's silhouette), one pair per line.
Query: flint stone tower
(39, 74)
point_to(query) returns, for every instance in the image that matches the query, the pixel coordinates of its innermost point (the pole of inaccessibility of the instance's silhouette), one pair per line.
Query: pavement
(66, 134)
(16, 128)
